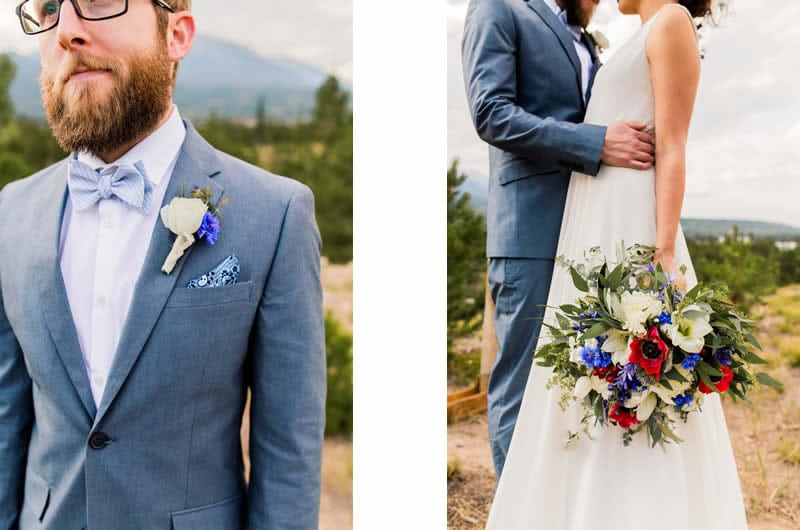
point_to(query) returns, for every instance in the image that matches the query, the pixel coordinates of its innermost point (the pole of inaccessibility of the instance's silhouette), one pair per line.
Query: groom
(121, 388)
(529, 67)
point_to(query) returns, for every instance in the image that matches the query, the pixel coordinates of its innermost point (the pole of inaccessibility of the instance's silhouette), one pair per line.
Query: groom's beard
(100, 121)
(576, 14)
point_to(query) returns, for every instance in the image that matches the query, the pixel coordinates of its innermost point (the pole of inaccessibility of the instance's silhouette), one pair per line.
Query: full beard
(576, 15)
(83, 121)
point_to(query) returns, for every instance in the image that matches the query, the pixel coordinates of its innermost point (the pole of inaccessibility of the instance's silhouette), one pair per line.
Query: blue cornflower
(209, 229)
(723, 355)
(580, 328)
(594, 357)
(683, 400)
(664, 318)
(690, 361)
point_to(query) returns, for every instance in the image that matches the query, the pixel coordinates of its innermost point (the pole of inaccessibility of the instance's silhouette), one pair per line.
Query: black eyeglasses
(38, 16)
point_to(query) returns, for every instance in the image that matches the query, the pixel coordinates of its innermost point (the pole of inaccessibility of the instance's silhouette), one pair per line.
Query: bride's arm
(675, 72)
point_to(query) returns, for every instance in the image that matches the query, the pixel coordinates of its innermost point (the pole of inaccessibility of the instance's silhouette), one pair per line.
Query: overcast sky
(316, 32)
(745, 134)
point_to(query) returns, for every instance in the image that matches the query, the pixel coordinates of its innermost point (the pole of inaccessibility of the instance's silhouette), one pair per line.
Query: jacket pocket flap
(519, 168)
(223, 515)
(37, 493)
(207, 296)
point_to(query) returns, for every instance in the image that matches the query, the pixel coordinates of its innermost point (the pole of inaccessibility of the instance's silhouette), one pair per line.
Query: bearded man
(147, 283)
(528, 68)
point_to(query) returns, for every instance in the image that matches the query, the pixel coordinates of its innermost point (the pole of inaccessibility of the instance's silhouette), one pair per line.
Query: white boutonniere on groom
(598, 40)
(191, 218)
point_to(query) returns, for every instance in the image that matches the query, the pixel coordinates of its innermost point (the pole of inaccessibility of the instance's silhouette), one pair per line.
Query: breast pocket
(210, 296)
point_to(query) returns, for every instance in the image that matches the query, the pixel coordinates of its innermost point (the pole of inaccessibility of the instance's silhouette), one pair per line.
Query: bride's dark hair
(698, 8)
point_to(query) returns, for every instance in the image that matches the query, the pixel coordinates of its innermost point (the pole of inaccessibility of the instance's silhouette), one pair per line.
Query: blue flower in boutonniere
(190, 218)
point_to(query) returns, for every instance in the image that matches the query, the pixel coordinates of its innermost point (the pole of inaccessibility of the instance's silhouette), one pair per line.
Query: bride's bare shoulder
(673, 33)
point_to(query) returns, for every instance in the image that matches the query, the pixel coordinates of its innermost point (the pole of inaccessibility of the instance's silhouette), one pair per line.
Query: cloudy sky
(745, 133)
(316, 32)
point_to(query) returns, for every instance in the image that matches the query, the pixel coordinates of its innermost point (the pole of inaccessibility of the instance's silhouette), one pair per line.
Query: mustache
(75, 61)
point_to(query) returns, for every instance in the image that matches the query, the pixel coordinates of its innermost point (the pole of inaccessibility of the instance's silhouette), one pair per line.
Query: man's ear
(180, 35)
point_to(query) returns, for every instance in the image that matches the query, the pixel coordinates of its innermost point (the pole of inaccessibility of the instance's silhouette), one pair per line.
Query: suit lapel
(563, 34)
(195, 167)
(52, 292)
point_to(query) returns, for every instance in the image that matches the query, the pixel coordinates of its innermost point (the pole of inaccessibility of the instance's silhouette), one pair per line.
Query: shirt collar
(156, 152)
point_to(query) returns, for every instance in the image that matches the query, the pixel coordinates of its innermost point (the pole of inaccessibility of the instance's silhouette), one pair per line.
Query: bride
(599, 484)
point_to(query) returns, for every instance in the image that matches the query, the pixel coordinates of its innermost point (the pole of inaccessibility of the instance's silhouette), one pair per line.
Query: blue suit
(523, 82)
(162, 450)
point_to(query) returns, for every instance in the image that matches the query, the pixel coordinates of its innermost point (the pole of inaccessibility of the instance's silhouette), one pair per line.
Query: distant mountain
(217, 76)
(478, 188)
(720, 227)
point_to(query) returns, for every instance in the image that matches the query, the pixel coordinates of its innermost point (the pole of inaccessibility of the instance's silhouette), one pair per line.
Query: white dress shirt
(103, 249)
(583, 53)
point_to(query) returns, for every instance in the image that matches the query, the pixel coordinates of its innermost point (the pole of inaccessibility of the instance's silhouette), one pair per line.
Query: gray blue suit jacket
(162, 450)
(523, 81)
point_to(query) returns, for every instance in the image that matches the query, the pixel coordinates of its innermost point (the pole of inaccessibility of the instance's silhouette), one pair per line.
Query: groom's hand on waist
(628, 144)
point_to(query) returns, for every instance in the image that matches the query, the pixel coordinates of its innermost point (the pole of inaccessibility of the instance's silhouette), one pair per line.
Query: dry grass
(765, 436)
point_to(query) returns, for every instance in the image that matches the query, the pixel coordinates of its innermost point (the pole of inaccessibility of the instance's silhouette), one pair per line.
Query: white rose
(633, 309)
(183, 216)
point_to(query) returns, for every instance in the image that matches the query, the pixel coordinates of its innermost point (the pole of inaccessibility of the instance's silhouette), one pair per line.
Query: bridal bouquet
(639, 352)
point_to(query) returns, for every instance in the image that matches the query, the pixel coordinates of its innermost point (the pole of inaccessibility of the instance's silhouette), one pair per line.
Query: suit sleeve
(16, 418)
(288, 380)
(489, 59)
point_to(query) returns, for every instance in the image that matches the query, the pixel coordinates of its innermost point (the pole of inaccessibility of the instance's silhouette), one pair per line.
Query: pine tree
(466, 260)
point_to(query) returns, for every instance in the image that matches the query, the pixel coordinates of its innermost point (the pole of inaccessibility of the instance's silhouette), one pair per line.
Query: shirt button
(109, 224)
(99, 380)
(101, 301)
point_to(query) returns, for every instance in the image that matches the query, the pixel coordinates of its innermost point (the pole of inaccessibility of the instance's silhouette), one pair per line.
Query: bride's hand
(667, 262)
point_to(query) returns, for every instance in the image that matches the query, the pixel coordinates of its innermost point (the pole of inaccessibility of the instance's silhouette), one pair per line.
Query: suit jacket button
(99, 440)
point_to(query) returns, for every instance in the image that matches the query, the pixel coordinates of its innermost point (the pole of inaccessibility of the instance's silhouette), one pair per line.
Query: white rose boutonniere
(183, 217)
(191, 218)
(598, 40)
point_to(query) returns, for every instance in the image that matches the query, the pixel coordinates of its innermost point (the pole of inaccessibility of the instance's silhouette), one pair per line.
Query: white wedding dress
(600, 484)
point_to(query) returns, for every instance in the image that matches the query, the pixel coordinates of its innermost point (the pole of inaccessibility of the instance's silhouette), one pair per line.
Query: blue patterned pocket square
(225, 273)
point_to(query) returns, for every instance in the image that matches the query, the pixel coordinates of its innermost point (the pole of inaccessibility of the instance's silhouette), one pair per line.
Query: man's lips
(86, 74)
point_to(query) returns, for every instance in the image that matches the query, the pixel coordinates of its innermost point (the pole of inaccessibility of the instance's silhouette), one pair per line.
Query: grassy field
(765, 436)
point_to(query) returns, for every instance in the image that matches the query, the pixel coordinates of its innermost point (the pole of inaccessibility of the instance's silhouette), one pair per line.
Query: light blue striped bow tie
(126, 182)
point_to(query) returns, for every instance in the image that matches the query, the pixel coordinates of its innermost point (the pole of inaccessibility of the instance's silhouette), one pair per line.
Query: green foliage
(750, 270)
(318, 153)
(7, 71)
(25, 145)
(466, 260)
(339, 351)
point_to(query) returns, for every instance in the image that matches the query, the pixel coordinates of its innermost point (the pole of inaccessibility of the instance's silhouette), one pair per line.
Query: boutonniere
(598, 40)
(191, 218)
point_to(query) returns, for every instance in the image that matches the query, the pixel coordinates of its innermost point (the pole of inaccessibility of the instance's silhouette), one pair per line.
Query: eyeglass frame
(160, 3)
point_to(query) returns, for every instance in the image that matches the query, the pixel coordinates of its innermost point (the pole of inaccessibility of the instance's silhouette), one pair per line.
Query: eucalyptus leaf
(579, 281)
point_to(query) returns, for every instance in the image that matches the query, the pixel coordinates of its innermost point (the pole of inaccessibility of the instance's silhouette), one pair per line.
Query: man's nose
(71, 28)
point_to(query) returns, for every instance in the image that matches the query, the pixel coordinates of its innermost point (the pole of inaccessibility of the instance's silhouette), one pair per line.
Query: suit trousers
(519, 289)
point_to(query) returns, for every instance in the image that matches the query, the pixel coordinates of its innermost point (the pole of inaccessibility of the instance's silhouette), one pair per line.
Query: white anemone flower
(633, 309)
